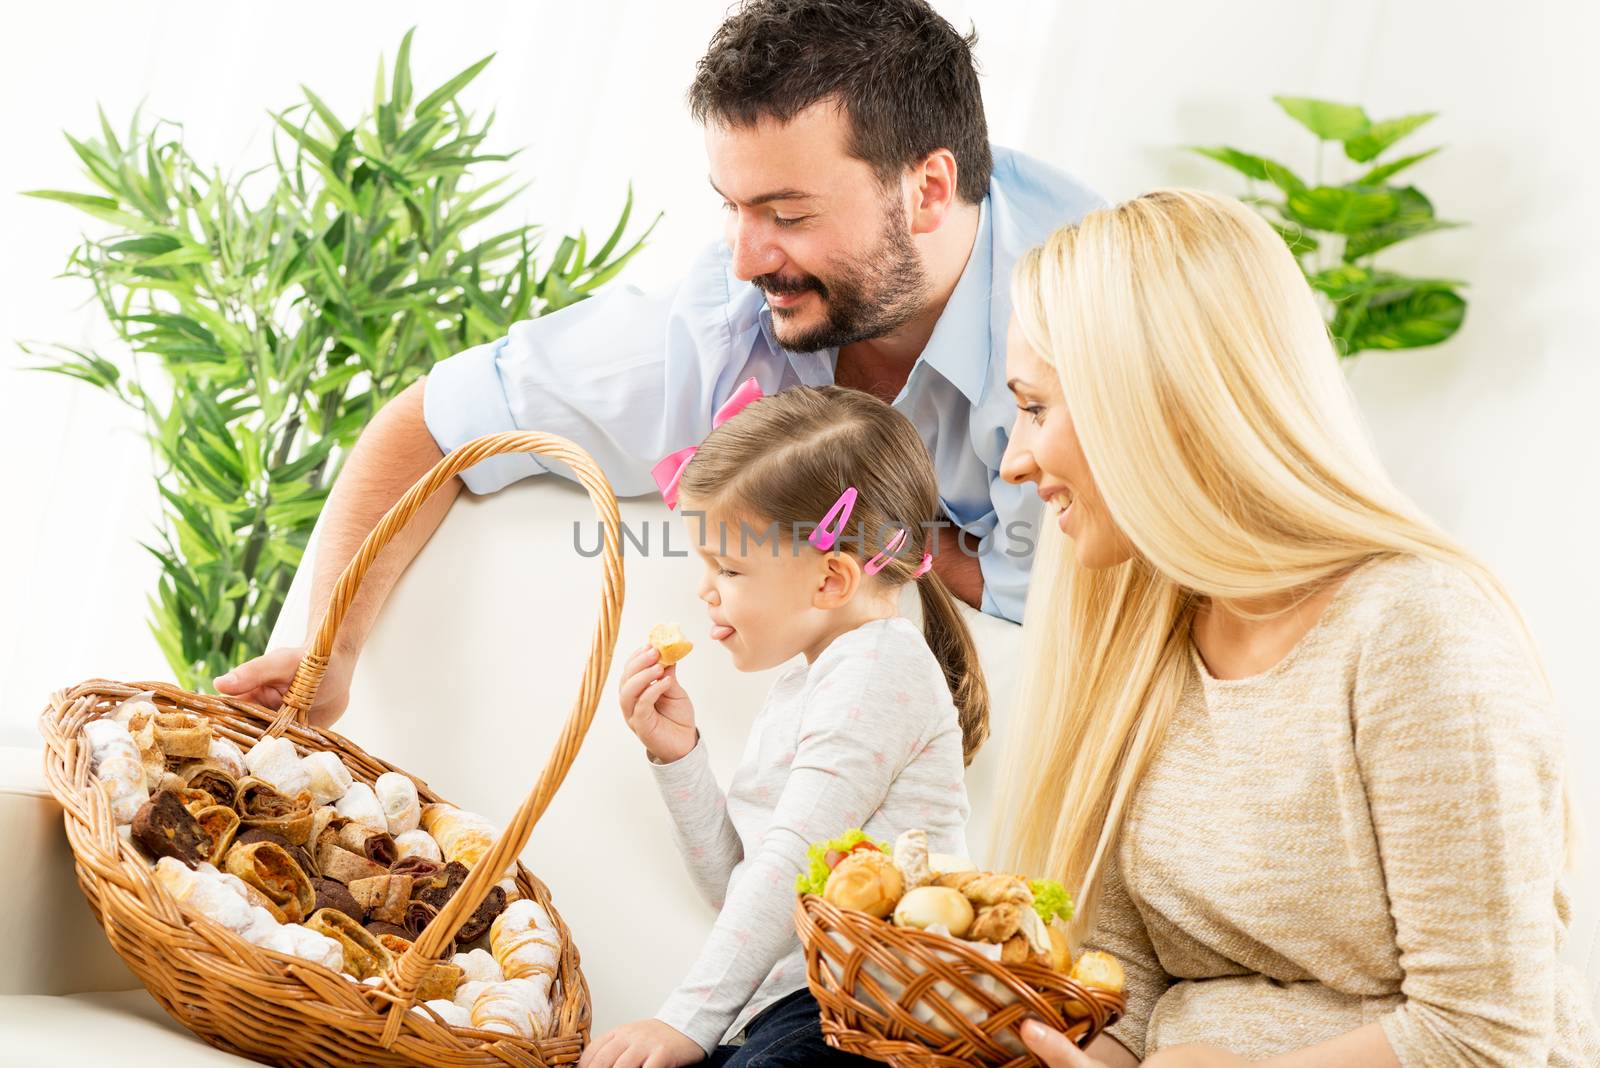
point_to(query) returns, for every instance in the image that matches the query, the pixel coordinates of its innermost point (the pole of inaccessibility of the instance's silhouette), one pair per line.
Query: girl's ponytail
(947, 635)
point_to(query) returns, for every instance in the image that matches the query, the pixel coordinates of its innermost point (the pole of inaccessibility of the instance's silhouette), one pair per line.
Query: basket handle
(400, 985)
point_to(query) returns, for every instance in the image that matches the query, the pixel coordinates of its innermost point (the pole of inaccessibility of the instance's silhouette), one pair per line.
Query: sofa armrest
(50, 942)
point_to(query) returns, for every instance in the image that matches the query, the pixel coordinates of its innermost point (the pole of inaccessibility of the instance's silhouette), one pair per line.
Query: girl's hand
(646, 1044)
(656, 708)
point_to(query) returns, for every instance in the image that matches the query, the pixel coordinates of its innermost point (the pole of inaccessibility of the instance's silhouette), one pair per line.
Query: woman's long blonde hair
(1226, 445)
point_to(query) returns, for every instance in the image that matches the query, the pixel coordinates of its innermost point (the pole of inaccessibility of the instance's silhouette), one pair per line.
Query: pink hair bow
(668, 471)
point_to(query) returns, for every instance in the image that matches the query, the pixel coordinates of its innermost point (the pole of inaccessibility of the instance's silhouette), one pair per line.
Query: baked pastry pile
(1007, 918)
(292, 854)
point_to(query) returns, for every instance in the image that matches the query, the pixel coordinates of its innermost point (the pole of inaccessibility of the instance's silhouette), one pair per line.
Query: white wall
(1492, 432)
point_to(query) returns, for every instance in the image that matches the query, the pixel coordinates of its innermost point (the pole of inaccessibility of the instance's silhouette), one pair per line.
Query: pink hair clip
(668, 471)
(880, 561)
(822, 538)
(922, 568)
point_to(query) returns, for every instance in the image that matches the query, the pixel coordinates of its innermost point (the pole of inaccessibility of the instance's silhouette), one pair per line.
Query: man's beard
(868, 298)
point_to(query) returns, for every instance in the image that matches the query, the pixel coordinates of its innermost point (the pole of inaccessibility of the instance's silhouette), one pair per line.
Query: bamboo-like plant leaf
(1328, 120)
(1382, 173)
(1371, 142)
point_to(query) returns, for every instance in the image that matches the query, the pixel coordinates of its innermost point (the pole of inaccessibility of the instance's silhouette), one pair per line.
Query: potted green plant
(263, 320)
(1336, 231)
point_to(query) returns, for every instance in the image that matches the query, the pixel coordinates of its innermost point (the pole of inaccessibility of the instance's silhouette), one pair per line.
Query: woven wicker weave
(920, 1000)
(278, 1008)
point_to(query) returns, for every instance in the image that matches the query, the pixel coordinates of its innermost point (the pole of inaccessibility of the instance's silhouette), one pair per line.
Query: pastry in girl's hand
(397, 794)
(928, 906)
(867, 881)
(360, 804)
(269, 868)
(263, 806)
(670, 644)
(164, 828)
(364, 956)
(418, 843)
(327, 775)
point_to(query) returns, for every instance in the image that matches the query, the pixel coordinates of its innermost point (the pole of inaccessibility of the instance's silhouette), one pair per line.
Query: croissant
(462, 836)
(397, 794)
(525, 942)
(364, 955)
(327, 776)
(998, 889)
(517, 1007)
(262, 805)
(269, 868)
(997, 923)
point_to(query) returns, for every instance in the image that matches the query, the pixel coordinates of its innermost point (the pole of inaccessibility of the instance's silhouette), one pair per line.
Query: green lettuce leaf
(1050, 899)
(815, 877)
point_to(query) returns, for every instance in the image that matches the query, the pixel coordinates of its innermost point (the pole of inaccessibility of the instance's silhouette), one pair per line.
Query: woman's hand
(1057, 1051)
(646, 1044)
(266, 679)
(656, 708)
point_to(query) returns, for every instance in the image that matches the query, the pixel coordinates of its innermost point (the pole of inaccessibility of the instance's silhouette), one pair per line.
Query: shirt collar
(961, 345)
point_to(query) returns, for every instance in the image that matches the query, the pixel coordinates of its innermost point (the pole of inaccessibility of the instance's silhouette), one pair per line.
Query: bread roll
(867, 881)
(669, 643)
(1100, 971)
(398, 796)
(928, 906)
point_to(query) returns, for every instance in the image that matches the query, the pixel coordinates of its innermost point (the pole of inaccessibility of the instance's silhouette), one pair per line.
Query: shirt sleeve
(630, 377)
(704, 832)
(854, 739)
(1120, 931)
(1460, 753)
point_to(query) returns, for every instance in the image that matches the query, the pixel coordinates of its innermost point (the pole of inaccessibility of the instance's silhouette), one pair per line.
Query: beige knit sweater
(1371, 830)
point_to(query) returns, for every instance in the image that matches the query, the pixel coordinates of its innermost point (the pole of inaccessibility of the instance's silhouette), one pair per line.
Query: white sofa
(465, 681)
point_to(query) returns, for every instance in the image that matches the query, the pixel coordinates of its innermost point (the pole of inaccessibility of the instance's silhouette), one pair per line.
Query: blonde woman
(1291, 742)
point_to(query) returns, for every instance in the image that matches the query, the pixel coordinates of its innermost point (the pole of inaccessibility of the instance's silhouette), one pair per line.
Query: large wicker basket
(920, 1000)
(278, 1008)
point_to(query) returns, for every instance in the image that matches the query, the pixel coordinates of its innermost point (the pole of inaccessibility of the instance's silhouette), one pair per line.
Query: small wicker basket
(920, 1000)
(278, 1008)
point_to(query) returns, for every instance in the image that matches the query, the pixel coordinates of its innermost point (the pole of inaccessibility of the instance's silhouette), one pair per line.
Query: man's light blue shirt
(632, 377)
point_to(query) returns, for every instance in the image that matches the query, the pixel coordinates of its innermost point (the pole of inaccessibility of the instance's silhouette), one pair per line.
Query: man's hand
(646, 1044)
(656, 708)
(266, 679)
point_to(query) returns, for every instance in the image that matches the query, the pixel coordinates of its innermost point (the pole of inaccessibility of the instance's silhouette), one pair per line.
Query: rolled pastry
(338, 863)
(221, 823)
(262, 805)
(375, 845)
(911, 857)
(418, 843)
(269, 868)
(297, 941)
(437, 891)
(360, 804)
(335, 895)
(183, 735)
(479, 965)
(462, 836)
(998, 889)
(439, 981)
(468, 992)
(364, 956)
(301, 857)
(117, 764)
(204, 893)
(226, 755)
(164, 828)
(515, 1007)
(383, 897)
(998, 923)
(398, 796)
(328, 776)
(139, 705)
(213, 779)
(142, 727)
(275, 761)
(525, 943)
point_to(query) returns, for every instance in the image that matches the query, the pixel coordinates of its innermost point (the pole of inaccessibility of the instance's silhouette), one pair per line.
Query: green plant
(283, 308)
(1336, 231)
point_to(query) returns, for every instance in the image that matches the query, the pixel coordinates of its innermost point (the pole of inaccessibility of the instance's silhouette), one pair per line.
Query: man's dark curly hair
(905, 77)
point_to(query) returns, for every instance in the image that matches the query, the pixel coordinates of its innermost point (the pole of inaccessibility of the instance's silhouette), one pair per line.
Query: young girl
(861, 732)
